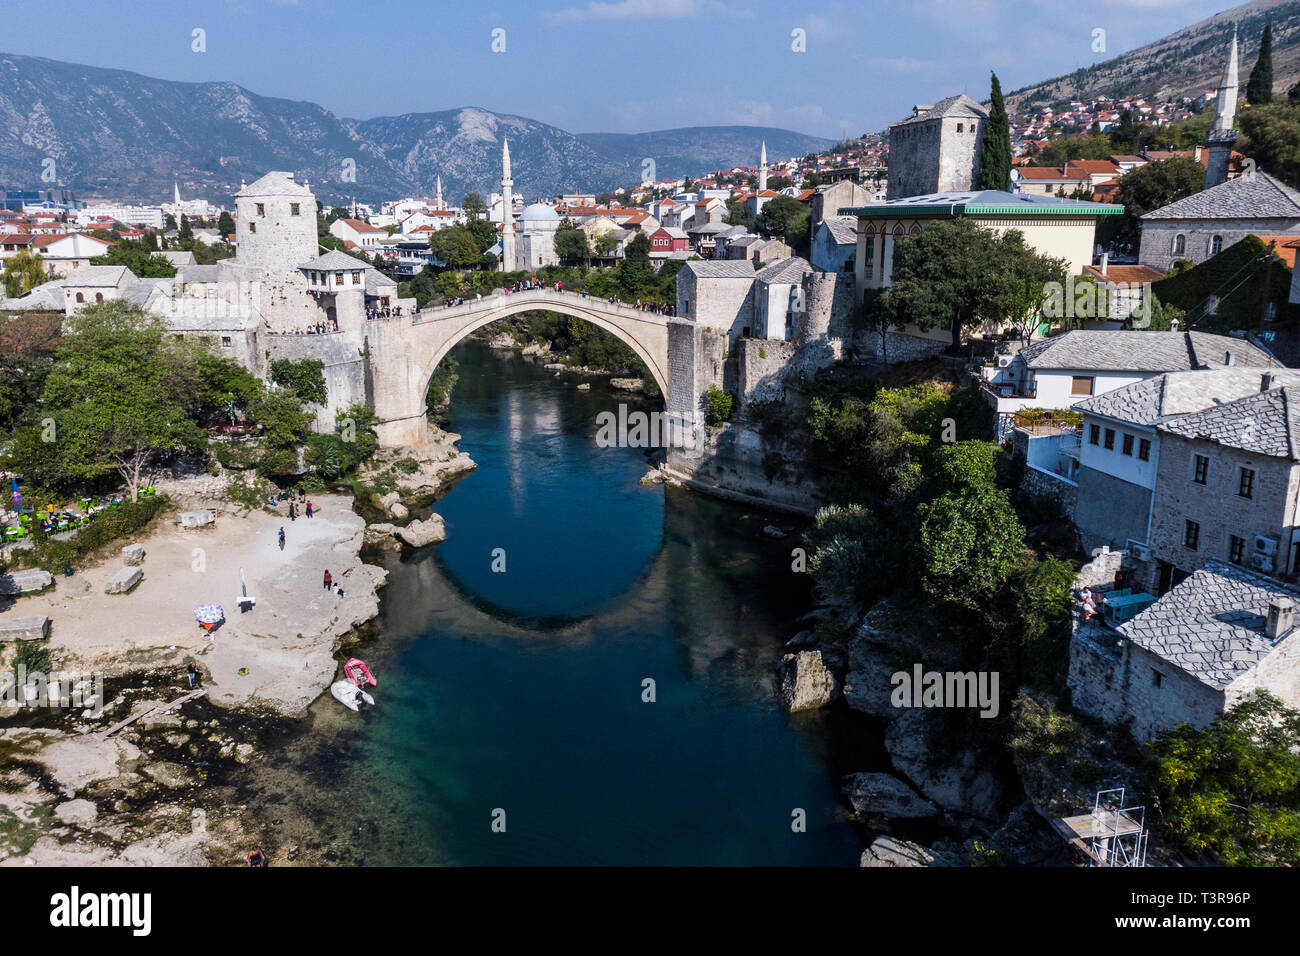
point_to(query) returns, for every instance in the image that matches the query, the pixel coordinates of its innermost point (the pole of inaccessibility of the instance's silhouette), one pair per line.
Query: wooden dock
(156, 709)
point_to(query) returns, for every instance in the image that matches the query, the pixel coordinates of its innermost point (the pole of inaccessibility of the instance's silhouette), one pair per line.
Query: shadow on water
(609, 696)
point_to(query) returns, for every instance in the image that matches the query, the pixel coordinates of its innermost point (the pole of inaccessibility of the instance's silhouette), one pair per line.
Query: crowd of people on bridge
(316, 328)
(386, 312)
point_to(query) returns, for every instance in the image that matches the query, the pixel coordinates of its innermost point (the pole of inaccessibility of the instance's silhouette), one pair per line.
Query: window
(1094, 434)
(261, 209)
(293, 208)
(1216, 245)
(959, 127)
(1127, 448)
(1157, 678)
(1192, 535)
(1236, 549)
(1246, 488)
(1110, 439)
(1144, 449)
(356, 278)
(226, 342)
(1081, 385)
(1202, 469)
(252, 227)
(99, 297)
(1180, 244)
(81, 297)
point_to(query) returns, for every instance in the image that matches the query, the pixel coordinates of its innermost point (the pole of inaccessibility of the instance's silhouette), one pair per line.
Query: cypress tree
(995, 150)
(1259, 89)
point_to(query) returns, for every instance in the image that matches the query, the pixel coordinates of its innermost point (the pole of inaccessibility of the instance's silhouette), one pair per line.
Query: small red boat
(356, 671)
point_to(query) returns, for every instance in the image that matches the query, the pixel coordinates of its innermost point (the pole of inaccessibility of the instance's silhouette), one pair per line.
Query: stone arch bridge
(404, 351)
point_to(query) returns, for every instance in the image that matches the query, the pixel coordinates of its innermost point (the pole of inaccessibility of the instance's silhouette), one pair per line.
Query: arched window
(1180, 244)
(81, 297)
(1216, 245)
(99, 297)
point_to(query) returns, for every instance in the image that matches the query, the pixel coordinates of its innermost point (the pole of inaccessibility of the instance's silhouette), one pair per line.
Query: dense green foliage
(1233, 789)
(967, 544)
(1150, 187)
(718, 405)
(786, 219)
(1271, 137)
(1259, 88)
(27, 344)
(440, 385)
(995, 148)
(1227, 292)
(140, 256)
(305, 378)
(22, 273)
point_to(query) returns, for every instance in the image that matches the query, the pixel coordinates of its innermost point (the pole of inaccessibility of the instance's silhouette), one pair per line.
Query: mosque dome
(539, 212)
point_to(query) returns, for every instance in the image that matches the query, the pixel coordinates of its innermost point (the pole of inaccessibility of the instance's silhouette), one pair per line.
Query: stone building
(1218, 636)
(1203, 225)
(937, 148)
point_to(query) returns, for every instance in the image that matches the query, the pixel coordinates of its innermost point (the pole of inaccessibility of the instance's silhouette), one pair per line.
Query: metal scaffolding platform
(1113, 834)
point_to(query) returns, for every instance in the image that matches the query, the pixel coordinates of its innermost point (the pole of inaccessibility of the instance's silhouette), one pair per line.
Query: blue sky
(614, 66)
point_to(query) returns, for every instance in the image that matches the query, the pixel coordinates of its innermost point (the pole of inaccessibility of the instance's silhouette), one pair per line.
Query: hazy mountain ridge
(122, 134)
(1184, 62)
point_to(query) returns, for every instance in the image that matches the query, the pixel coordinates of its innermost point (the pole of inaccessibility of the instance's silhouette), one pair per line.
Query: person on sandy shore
(256, 857)
(328, 580)
(293, 511)
(192, 675)
(308, 509)
(281, 537)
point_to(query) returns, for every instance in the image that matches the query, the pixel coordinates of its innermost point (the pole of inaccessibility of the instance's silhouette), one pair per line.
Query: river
(517, 662)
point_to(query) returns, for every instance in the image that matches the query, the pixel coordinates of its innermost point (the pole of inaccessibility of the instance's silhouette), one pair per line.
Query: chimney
(1229, 359)
(1105, 262)
(1266, 381)
(1281, 617)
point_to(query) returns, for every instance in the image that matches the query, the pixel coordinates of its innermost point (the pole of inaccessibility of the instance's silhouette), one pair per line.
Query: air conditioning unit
(1265, 545)
(1261, 562)
(1140, 552)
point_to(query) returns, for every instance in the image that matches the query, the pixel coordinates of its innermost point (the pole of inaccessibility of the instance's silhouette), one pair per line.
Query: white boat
(350, 696)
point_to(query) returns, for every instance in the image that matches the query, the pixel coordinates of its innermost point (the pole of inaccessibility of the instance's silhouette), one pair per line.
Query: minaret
(1223, 136)
(438, 198)
(507, 211)
(176, 193)
(762, 167)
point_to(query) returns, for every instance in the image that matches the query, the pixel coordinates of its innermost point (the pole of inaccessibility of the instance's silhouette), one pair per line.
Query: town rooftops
(721, 269)
(1137, 351)
(1266, 423)
(1116, 273)
(1165, 397)
(1259, 196)
(275, 183)
(986, 202)
(1211, 626)
(360, 225)
(959, 105)
(843, 229)
(97, 276)
(785, 271)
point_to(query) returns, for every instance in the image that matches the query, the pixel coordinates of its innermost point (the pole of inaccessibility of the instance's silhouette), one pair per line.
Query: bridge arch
(473, 324)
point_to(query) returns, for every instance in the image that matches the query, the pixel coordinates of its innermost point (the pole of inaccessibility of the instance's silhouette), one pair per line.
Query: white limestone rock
(890, 851)
(806, 682)
(880, 795)
(419, 533)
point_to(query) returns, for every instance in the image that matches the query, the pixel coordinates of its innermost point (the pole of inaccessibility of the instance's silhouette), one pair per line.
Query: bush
(108, 527)
(718, 406)
(33, 657)
(306, 378)
(312, 484)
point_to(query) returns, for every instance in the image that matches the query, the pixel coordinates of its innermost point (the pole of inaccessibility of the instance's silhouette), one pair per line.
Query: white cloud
(641, 10)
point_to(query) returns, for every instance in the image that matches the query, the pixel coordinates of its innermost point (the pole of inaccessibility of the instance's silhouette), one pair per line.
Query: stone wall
(1157, 244)
(1045, 484)
(720, 303)
(1111, 511)
(1095, 675)
(344, 371)
(736, 464)
(932, 157)
(898, 346)
(762, 369)
(1215, 505)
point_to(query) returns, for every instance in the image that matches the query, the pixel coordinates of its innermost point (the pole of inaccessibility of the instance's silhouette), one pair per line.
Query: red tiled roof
(360, 226)
(1125, 273)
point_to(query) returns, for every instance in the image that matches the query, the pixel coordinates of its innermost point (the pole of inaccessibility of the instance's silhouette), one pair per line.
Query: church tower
(762, 167)
(1223, 136)
(507, 211)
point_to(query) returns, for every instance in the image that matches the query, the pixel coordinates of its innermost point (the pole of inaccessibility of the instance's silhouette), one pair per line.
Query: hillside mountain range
(1182, 63)
(124, 135)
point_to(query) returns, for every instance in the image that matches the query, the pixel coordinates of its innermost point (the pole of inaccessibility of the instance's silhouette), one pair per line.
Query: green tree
(571, 242)
(305, 378)
(1123, 135)
(1151, 187)
(968, 543)
(957, 274)
(1259, 88)
(138, 256)
(637, 251)
(225, 224)
(1233, 788)
(23, 272)
(484, 233)
(116, 396)
(738, 213)
(27, 343)
(995, 148)
(606, 245)
(848, 554)
(1271, 136)
(473, 205)
(964, 465)
(455, 246)
(717, 406)
(185, 231)
(283, 427)
(785, 218)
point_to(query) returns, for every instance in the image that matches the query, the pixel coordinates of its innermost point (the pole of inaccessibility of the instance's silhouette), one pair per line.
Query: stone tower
(1223, 136)
(762, 167)
(275, 224)
(438, 198)
(937, 148)
(507, 211)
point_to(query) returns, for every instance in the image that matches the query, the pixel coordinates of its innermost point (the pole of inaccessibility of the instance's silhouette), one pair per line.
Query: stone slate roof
(209, 273)
(334, 261)
(1255, 197)
(721, 269)
(843, 229)
(1101, 350)
(959, 105)
(1267, 423)
(1164, 397)
(178, 257)
(1212, 625)
(98, 276)
(48, 297)
(274, 183)
(785, 271)
(377, 283)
